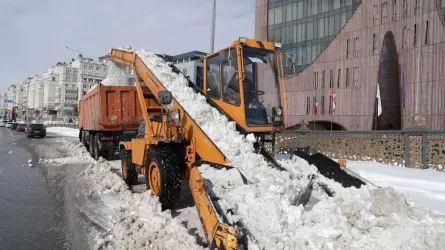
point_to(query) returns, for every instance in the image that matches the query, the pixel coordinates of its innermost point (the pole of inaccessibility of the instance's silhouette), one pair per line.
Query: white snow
(68, 132)
(10, 152)
(425, 186)
(134, 220)
(118, 74)
(30, 160)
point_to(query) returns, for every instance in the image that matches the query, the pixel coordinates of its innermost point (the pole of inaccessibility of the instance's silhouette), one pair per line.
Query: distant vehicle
(21, 127)
(36, 129)
(8, 125)
(2, 124)
(14, 125)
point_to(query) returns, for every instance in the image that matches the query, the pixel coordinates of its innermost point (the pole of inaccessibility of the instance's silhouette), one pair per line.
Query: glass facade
(305, 28)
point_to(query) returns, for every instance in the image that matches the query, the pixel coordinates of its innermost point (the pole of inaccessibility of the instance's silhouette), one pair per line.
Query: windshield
(261, 90)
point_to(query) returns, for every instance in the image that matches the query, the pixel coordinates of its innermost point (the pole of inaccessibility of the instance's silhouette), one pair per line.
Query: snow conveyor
(243, 200)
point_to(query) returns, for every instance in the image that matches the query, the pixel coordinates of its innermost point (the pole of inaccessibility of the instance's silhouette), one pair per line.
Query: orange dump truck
(107, 115)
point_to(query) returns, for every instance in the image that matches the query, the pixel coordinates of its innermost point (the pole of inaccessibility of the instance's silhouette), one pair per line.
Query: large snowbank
(354, 218)
(132, 220)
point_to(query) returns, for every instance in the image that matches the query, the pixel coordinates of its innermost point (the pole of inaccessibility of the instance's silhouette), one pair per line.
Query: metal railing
(410, 148)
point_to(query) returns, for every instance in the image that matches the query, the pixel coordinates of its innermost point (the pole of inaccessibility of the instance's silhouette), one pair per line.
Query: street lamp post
(212, 32)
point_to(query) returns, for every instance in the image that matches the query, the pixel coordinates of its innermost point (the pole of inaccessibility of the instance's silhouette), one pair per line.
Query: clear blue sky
(34, 33)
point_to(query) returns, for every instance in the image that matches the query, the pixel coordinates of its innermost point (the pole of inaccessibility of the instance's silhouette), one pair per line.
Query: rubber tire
(170, 174)
(97, 153)
(132, 175)
(91, 147)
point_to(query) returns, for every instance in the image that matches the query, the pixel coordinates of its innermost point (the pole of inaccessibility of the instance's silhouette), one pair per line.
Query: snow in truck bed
(364, 218)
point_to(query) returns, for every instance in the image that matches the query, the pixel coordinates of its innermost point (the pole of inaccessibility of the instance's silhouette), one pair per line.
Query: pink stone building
(351, 48)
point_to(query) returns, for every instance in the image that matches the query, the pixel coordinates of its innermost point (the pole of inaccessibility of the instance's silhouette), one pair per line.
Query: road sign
(9, 101)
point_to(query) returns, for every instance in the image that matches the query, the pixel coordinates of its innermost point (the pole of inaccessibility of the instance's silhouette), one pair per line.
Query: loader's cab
(245, 81)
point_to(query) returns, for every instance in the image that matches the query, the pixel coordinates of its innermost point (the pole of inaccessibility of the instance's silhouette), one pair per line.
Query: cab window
(213, 77)
(230, 80)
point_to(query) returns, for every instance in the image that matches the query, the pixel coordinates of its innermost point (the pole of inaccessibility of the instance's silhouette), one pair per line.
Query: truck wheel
(163, 175)
(96, 150)
(90, 146)
(129, 173)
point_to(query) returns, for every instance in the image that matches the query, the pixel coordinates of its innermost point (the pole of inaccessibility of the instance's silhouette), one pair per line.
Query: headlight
(243, 39)
(278, 111)
(174, 115)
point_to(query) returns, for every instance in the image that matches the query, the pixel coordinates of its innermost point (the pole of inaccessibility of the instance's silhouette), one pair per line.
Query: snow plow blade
(330, 169)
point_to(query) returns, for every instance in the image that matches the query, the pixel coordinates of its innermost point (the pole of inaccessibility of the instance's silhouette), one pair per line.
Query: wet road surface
(30, 214)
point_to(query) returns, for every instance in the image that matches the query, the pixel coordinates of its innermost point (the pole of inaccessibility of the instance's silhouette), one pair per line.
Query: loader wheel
(129, 173)
(163, 175)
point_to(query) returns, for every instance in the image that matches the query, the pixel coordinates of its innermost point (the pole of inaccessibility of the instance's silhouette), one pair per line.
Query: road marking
(8, 131)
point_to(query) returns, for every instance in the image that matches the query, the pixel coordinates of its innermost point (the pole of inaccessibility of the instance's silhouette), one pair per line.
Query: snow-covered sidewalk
(425, 186)
(68, 132)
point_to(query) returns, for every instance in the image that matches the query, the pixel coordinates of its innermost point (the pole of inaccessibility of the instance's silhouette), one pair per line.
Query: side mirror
(223, 56)
(165, 97)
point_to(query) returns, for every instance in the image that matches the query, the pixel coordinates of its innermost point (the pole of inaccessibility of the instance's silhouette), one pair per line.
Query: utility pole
(212, 32)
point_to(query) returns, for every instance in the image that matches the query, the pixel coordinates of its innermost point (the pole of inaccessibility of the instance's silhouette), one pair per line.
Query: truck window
(199, 77)
(213, 77)
(230, 80)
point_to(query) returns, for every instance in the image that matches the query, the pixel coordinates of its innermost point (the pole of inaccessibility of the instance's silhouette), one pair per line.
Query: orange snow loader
(243, 81)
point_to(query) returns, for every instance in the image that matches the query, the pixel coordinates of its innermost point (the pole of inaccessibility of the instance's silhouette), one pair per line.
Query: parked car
(14, 125)
(2, 124)
(36, 129)
(8, 125)
(21, 127)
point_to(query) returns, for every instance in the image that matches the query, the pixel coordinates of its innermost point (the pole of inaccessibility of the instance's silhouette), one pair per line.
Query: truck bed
(110, 108)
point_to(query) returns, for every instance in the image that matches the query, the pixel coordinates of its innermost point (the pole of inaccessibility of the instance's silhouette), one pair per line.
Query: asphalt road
(32, 213)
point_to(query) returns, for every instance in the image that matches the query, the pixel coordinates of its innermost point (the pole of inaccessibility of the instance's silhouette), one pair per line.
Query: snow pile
(265, 206)
(137, 221)
(118, 74)
(425, 186)
(68, 132)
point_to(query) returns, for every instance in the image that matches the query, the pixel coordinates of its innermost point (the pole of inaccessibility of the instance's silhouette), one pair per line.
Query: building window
(374, 44)
(53, 79)
(348, 48)
(427, 33)
(330, 105)
(416, 7)
(355, 76)
(97, 69)
(308, 105)
(315, 80)
(404, 37)
(415, 35)
(356, 45)
(323, 79)
(394, 10)
(322, 105)
(384, 14)
(331, 79)
(338, 79)
(374, 19)
(347, 78)
(405, 9)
